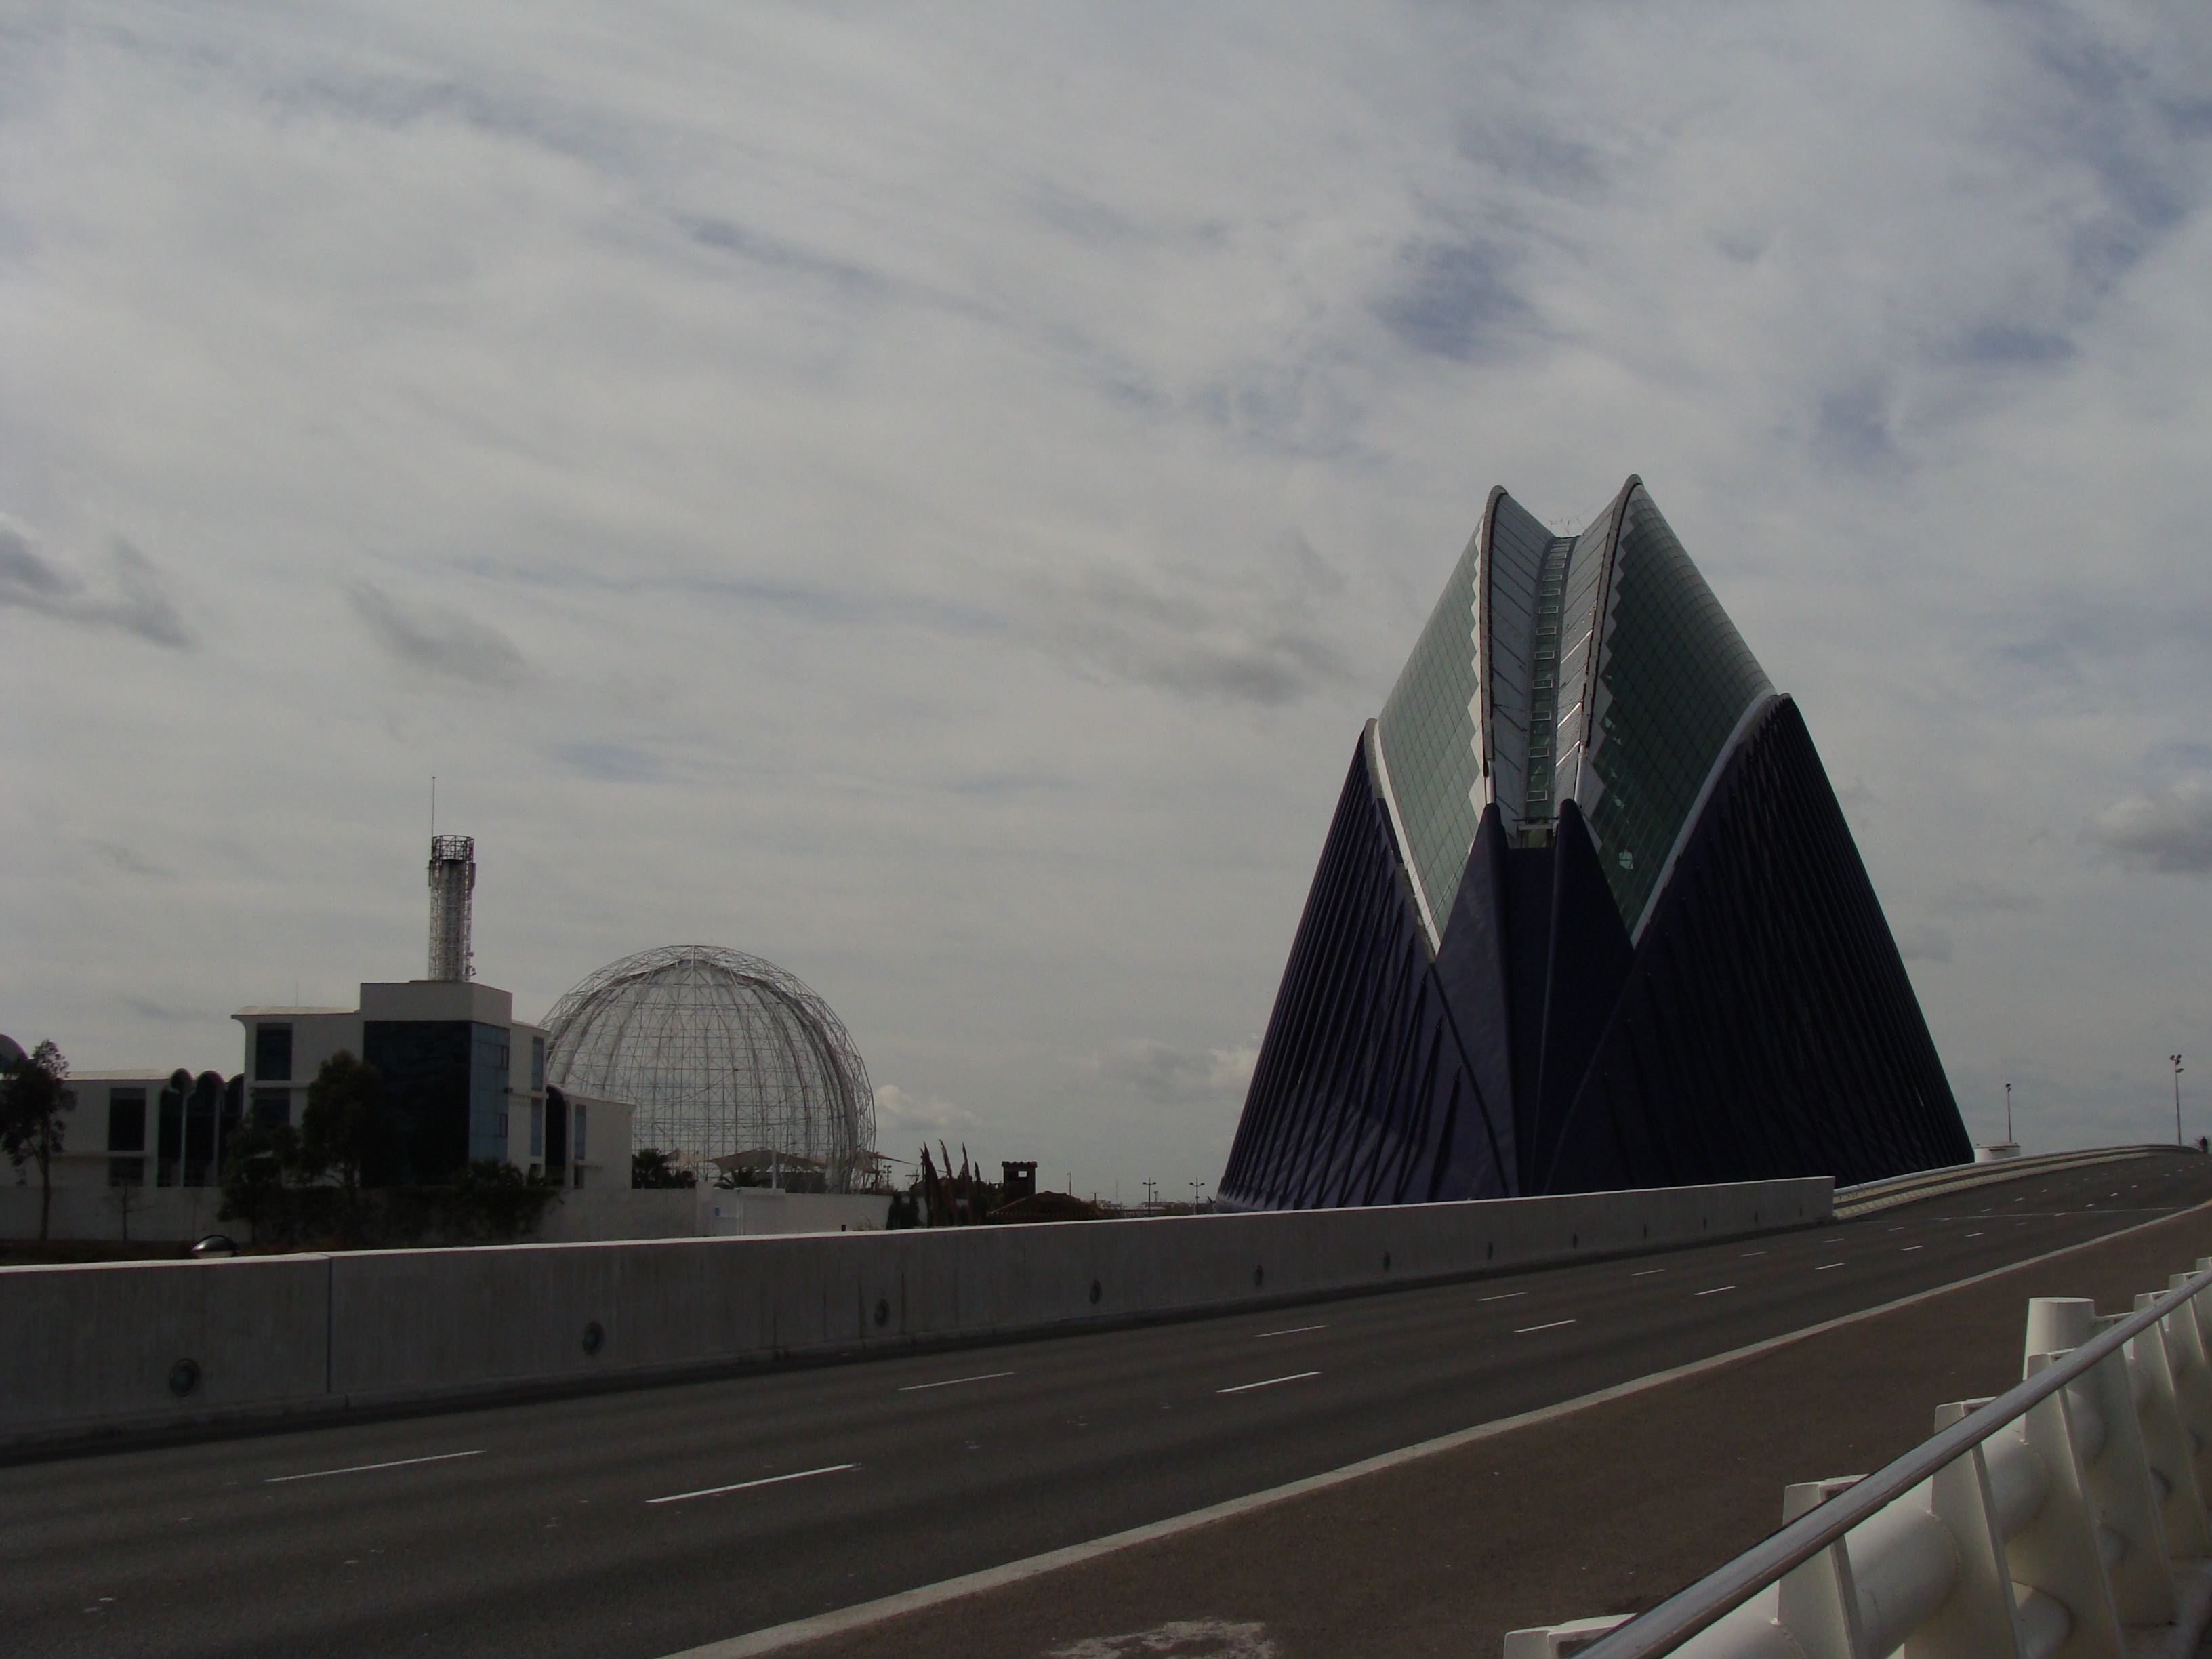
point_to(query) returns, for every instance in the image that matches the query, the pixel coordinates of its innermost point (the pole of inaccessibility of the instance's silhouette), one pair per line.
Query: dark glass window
(126, 1120)
(170, 1148)
(272, 1054)
(271, 1106)
(199, 1134)
(537, 1065)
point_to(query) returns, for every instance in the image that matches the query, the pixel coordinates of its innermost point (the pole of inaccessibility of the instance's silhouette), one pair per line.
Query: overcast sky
(929, 495)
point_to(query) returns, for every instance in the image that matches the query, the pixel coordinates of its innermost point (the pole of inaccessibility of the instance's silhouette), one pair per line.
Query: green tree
(256, 1159)
(32, 1102)
(651, 1167)
(343, 1130)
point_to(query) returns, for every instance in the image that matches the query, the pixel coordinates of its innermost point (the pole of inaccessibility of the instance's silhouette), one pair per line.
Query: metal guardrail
(2065, 1519)
(1869, 1197)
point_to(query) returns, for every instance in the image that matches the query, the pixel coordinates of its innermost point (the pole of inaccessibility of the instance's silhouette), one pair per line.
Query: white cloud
(436, 641)
(901, 1117)
(2168, 830)
(1177, 1073)
(1922, 941)
(137, 602)
(941, 491)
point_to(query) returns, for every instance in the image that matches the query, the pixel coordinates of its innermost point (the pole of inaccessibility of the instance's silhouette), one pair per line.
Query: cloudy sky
(929, 495)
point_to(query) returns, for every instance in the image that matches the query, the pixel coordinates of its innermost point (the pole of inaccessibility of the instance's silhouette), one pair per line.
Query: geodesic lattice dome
(721, 1053)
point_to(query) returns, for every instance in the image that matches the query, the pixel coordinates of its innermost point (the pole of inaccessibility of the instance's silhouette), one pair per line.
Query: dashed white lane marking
(1503, 1296)
(1246, 1387)
(741, 1485)
(954, 1381)
(363, 1468)
(1716, 1290)
(1973, 1235)
(1824, 1266)
(1748, 1254)
(1902, 1249)
(1554, 1325)
(1295, 1330)
(1647, 1272)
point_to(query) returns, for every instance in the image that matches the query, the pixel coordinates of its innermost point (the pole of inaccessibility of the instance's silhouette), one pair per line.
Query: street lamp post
(2176, 1099)
(2009, 1141)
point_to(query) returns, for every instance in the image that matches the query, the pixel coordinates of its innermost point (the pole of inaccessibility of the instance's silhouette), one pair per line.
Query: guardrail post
(1558, 1641)
(1818, 1602)
(2166, 1444)
(2118, 1479)
(2056, 1553)
(1978, 1619)
(2187, 1350)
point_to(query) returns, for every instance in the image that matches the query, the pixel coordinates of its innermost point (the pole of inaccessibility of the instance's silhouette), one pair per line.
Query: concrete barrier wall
(91, 1349)
(84, 1347)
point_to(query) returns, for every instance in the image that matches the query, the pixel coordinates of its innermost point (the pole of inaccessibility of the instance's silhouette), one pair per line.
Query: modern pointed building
(1588, 915)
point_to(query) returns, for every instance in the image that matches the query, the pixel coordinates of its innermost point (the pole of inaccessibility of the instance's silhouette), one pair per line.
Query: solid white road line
(741, 1485)
(1506, 1296)
(1554, 1325)
(363, 1468)
(954, 1381)
(1716, 1291)
(1295, 1330)
(1244, 1388)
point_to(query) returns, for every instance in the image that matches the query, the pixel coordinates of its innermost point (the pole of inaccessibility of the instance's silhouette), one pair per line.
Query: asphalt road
(630, 1525)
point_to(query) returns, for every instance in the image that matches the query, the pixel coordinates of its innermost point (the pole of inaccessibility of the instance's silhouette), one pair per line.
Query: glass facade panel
(1510, 581)
(1673, 678)
(1428, 736)
(488, 1075)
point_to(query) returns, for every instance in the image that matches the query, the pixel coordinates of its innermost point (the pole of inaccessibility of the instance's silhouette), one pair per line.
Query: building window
(576, 1144)
(126, 1120)
(271, 1106)
(537, 1064)
(536, 1128)
(272, 1054)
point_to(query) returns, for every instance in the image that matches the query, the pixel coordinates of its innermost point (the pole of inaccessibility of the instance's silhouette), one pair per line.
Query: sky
(930, 494)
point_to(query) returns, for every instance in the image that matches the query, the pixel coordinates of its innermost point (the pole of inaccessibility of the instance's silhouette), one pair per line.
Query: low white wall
(91, 1348)
(753, 1212)
(157, 1213)
(595, 1216)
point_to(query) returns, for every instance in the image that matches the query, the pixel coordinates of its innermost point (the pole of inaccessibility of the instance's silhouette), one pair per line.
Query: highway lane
(637, 1523)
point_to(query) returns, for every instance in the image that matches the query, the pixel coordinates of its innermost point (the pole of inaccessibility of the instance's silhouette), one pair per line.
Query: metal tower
(453, 878)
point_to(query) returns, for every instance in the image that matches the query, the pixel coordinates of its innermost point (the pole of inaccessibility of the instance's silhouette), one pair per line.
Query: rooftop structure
(452, 880)
(1589, 915)
(722, 1053)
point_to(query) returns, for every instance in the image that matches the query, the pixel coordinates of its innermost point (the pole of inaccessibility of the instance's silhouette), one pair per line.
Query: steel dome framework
(720, 1053)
